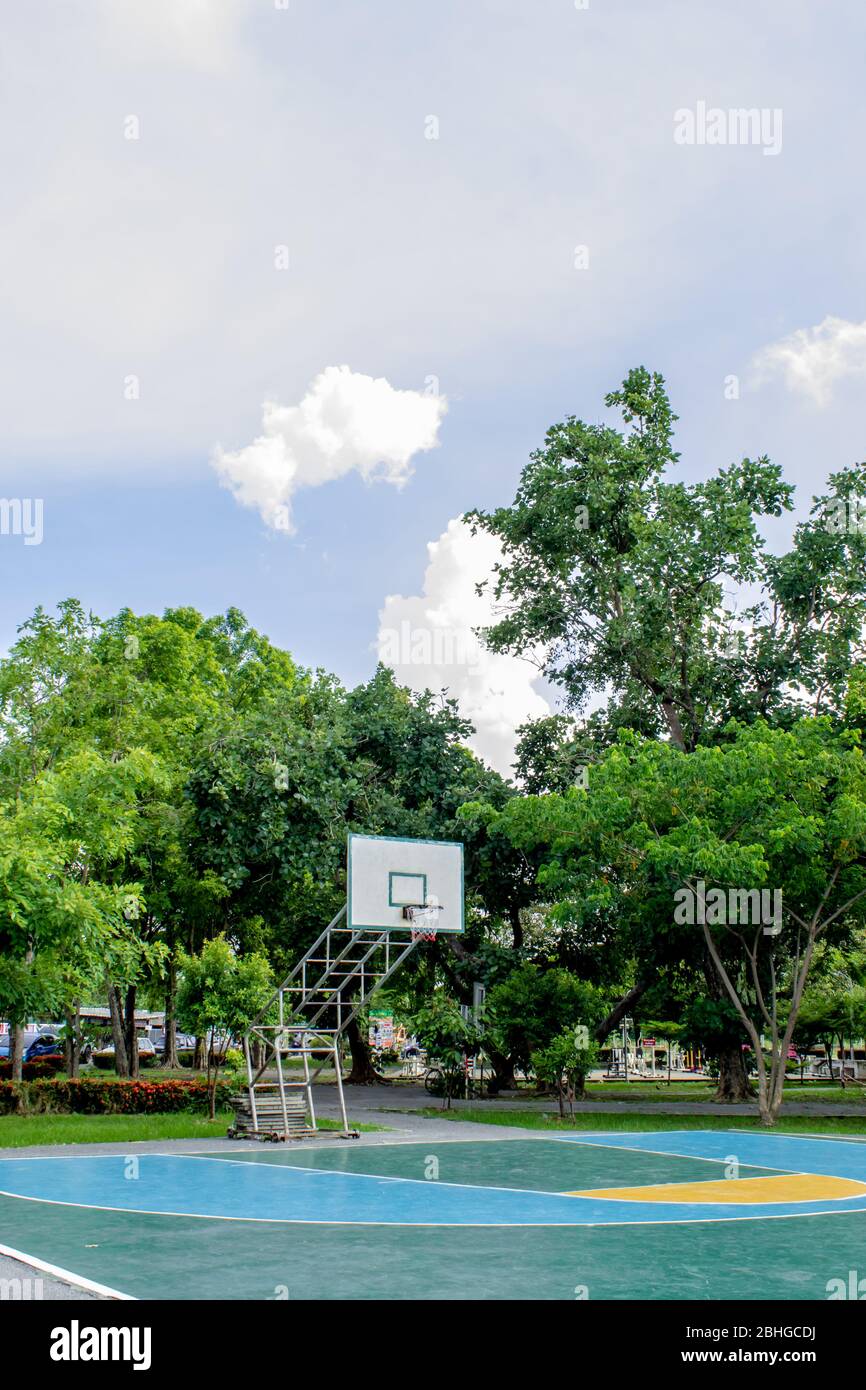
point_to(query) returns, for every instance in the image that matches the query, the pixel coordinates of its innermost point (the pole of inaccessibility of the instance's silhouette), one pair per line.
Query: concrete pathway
(392, 1099)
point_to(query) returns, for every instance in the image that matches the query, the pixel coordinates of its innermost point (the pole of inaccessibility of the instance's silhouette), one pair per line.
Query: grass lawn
(650, 1093)
(851, 1126)
(17, 1131)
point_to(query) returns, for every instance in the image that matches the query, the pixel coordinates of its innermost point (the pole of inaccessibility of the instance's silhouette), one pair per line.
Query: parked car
(185, 1042)
(103, 1057)
(42, 1044)
(46, 1052)
(46, 1045)
(32, 1031)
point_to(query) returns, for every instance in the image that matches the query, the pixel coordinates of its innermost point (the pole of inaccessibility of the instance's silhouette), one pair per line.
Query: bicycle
(455, 1085)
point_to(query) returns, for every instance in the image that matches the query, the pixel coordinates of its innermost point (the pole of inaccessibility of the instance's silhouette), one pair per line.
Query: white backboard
(386, 874)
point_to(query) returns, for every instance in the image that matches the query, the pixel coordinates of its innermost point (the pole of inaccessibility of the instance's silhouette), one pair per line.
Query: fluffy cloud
(428, 642)
(813, 360)
(347, 422)
(197, 33)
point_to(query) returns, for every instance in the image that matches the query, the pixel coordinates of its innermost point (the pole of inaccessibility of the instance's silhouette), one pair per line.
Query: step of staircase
(271, 1122)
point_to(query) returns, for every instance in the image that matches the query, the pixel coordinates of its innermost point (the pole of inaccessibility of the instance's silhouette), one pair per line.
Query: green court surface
(453, 1219)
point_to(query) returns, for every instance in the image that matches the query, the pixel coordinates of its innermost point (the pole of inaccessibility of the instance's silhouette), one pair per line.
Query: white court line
(300, 1168)
(14, 1156)
(379, 1177)
(325, 1172)
(433, 1225)
(77, 1280)
(699, 1158)
(789, 1133)
(471, 1186)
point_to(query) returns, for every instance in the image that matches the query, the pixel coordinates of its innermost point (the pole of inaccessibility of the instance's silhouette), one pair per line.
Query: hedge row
(89, 1096)
(43, 1066)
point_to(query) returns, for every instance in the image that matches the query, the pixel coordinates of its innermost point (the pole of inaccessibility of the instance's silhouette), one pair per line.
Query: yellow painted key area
(786, 1187)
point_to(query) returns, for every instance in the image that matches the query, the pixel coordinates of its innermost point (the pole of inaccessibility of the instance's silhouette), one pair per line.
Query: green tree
(773, 809)
(65, 897)
(532, 1007)
(618, 576)
(565, 1064)
(618, 580)
(448, 1039)
(219, 996)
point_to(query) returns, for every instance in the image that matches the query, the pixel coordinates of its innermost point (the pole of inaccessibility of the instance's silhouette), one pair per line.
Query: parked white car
(103, 1057)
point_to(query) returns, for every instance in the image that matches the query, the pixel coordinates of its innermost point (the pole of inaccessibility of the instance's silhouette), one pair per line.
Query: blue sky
(409, 258)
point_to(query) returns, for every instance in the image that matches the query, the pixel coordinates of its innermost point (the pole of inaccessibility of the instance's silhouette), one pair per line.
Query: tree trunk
(363, 1072)
(619, 1012)
(503, 1071)
(131, 1035)
(675, 728)
(199, 1060)
(121, 1062)
(216, 1049)
(516, 927)
(72, 1045)
(16, 1052)
(734, 1084)
(170, 1046)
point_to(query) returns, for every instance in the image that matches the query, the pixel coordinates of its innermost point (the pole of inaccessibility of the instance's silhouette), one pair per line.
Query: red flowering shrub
(95, 1096)
(49, 1065)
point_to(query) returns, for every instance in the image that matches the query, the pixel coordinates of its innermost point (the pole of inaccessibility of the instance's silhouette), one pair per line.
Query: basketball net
(424, 920)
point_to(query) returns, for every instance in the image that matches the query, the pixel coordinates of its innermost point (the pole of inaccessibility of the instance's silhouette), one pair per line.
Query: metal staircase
(305, 1019)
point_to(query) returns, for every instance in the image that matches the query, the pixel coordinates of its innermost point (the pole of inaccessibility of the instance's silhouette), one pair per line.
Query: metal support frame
(307, 1016)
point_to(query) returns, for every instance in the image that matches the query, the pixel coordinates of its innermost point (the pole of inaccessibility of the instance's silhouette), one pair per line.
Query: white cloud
(347, 422)
(812, 360)
(428, 642)
(197, 33)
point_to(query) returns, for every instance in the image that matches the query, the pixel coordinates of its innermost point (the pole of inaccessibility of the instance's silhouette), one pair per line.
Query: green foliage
(530, 1009)
(565, 1063)
(220, 993)
(617, 573)
(713, 1025)
(548, 756)
(219, 996)
(775, 808)
(619, 576)
(448, 1039)
(444, 1033)
(92, 1096)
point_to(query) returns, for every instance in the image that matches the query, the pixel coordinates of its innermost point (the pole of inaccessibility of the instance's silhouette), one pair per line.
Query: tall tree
(618, 581)
(688, 842)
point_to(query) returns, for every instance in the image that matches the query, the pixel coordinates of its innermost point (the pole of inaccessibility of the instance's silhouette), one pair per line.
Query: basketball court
(664, 1216)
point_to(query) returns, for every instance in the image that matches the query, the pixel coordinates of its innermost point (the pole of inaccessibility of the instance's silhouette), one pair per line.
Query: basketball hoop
(424, 918)
(395, 882)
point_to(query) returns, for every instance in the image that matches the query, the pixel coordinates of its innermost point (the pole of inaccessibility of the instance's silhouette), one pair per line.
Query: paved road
(22, 1282)
(359, 1099)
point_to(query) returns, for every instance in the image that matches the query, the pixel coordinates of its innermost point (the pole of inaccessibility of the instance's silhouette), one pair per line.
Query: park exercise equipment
(399, 892)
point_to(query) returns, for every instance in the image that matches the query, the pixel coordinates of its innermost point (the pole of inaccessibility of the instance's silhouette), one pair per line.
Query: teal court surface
(662, 1216)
